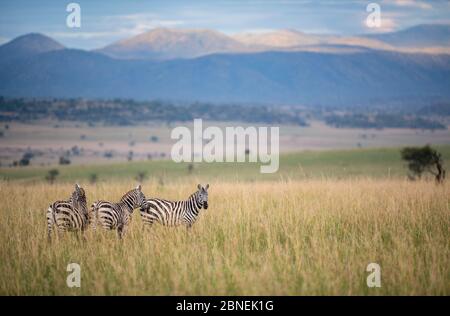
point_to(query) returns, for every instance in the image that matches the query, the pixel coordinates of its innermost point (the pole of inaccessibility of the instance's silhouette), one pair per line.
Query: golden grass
(309, 237)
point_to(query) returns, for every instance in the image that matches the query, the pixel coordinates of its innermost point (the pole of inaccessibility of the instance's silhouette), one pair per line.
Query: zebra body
(71, 215)
(117, 215)
(174, 213)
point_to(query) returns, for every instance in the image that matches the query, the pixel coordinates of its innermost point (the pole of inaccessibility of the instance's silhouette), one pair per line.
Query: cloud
(410, 3)
(119, 26)
(3, 40)
(80, 35)
(388, 24)
(134, 24)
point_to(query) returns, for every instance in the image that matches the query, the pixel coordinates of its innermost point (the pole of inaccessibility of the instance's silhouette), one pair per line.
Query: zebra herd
(73, 214)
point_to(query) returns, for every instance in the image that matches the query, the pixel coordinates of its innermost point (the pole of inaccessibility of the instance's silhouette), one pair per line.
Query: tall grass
(257, 238)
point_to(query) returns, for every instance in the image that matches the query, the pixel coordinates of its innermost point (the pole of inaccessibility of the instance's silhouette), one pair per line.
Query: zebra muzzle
(205, 205)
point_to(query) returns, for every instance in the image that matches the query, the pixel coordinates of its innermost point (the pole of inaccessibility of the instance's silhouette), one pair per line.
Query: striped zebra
(71, 215)
(170, 213)
(117, 215)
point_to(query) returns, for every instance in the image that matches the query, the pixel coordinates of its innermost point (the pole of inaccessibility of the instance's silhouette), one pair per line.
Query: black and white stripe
(117, 215)
(174, 213)
(71, 215)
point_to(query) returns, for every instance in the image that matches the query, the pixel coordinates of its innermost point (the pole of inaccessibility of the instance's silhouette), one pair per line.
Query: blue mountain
(308, 78)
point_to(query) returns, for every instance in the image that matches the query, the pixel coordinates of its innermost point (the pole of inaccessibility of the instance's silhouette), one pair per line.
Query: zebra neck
(194, 205)
(129, 203)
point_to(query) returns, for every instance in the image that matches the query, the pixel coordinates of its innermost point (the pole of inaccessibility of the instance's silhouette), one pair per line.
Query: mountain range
(286, 66)
(164, 43)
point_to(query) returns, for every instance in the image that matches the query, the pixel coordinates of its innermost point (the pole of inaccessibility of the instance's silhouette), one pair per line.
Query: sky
(103, 22)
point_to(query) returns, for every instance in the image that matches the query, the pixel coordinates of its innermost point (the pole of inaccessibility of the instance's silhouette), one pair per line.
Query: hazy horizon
(103, 23)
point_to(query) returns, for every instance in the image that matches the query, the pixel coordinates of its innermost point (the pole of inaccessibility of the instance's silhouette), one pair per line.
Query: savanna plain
(311, 230)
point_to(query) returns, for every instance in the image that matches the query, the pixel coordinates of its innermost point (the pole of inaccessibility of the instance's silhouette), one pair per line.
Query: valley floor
(83, 144)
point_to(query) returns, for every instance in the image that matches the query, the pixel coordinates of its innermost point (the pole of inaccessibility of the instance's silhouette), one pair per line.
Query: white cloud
(81, 35)
(388, 25)
(3, 40)
(119, 26)
(410, 3)
(134, 24)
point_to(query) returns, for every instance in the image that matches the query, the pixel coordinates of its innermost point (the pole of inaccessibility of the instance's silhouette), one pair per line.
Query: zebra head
(140, 197)
(134, 198)
(79, 195)
(202, 196)
(79, 198)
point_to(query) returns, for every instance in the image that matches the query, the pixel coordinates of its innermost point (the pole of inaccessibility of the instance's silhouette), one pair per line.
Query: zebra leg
(80, 236)
(121, 231)
(94, 216)
(83, 234)
(49, 224)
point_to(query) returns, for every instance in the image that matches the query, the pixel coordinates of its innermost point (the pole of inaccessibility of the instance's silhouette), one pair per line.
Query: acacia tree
(51, 175)
(424, 159)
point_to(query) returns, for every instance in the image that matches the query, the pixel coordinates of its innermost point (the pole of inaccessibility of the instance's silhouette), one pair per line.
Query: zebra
(117, 215)
(71, 215)
(174, 213)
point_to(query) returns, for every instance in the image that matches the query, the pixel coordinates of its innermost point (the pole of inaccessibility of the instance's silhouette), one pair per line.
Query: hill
(26, 46)
(308, 78)
(163, 43)
(431, 35)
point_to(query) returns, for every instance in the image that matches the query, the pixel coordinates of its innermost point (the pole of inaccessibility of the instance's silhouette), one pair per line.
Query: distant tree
(130, 155)
(51, 175)
(75, 150)
(154, 139)
(190, 168)
(26, 158)
(141, 176)
(93, 178)
(108, 154)
(24, 162)
(64, 160)
(424, 159)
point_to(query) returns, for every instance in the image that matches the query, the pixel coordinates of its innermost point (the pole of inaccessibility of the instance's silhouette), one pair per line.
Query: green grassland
(335, 164)
(310, 229)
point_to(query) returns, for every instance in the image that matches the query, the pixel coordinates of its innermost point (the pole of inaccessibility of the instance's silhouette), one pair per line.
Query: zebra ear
(139, 187)
(199, 186)
(77, 186)
(207, 186)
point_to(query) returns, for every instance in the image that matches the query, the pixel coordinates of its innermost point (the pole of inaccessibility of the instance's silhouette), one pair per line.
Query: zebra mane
(130, 198)
(194, 197)
(130, 193)
(79, 201)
